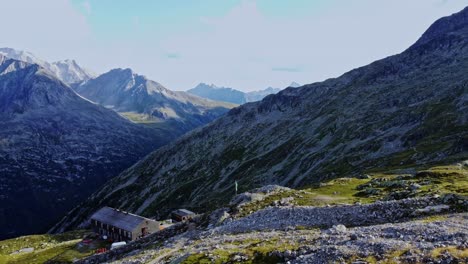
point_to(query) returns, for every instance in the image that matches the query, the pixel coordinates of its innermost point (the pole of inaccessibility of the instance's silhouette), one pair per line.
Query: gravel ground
(423, 230)
(444, 240)
(349, 215)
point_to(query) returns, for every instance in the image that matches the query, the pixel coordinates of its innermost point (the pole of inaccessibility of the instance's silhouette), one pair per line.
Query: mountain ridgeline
(404, 110)
(143, 100)
(225, 94)
(67, 71)
(56, 147)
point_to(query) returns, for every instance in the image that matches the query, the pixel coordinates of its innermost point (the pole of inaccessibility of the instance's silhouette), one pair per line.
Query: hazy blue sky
(244, 44)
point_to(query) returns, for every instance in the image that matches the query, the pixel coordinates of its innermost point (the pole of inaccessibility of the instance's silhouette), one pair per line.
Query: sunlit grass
(61, 248)
(381, 185)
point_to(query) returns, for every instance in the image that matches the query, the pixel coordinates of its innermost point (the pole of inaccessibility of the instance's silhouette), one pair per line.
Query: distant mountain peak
(213, 92)
(66, 70)
(121, 70)
(126, 91)
(37, 87)
(230, 95)
(21, 55)
(83, 144)
(69, 61)
(212, 86)
(294, 84)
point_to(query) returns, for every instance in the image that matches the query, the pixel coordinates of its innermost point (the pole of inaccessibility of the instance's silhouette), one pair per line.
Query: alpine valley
(402, 111)
(58, 147)
(145, 101)
(367, 167)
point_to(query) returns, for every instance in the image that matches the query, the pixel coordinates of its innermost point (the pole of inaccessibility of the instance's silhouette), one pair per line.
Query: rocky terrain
(339, 221)
(423, 230)
(145, 101)
(67, 71)
(56, 147)
(405, 111)
(368, 167)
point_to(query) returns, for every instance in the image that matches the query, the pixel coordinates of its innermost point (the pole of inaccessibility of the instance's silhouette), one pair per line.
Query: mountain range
(58, 146)
(67, 71)
(404, 110)
(143, 100)
(231, 95)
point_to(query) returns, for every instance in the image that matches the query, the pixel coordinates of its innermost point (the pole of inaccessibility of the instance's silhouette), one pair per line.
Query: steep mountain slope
(407, 109)
(225, 94)
(56, 148)
(147, 101)
(67, 71)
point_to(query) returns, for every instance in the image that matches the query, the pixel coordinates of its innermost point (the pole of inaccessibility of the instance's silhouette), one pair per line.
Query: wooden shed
(119, 225)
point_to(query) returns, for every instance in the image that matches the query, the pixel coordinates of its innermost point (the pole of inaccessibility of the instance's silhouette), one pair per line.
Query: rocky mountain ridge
(56, 147)
(67, 71)
(144, 100)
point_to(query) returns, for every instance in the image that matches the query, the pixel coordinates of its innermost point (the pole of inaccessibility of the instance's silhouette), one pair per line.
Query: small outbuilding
(119, 225)
(181, 215)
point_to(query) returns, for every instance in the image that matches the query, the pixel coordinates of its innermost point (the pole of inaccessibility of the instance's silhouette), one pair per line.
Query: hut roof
(183, 212)
(118, 218)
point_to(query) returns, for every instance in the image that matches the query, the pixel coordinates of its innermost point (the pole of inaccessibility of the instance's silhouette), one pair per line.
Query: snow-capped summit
(70, 72)
(67, 71)
(23, 56)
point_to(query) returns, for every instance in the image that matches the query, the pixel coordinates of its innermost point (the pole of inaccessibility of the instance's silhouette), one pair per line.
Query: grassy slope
(433, 180)
(61, 248)
(386, 185)
(64, 248)
(257, 250)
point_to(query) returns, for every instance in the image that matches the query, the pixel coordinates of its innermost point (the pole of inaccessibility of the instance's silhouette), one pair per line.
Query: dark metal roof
(183, 212)
(117, 218)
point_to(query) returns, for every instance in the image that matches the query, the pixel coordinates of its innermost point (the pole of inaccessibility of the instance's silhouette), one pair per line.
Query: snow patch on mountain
(67, 71)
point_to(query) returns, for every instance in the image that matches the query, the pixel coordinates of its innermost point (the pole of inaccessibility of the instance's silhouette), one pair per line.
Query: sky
(244, 44)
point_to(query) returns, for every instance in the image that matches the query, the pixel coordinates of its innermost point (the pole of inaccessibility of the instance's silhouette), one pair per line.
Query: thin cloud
(172, 56)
